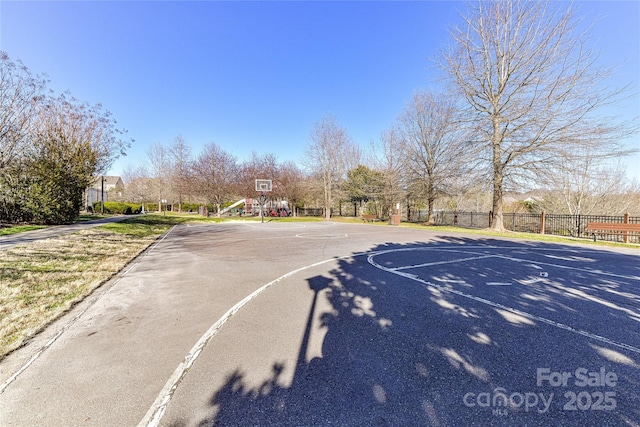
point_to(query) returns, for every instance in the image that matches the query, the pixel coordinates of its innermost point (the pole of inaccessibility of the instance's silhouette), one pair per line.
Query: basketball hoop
(263, 186)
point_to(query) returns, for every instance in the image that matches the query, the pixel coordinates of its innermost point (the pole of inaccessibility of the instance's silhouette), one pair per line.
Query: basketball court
(274, 323)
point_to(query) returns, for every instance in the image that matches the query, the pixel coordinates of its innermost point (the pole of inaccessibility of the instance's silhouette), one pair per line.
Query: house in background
(103, 187)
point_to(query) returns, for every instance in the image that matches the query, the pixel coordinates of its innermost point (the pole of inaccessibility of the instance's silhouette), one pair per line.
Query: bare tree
(20, 93)
(291, 184)
(88, 131)
(584, 182)
(329, 155)
(388, 157)
(70, 143)
(159, 168)
(532, 87)
(433, 143)
(215, 174)
(633, 197)
(181, 165)
(138, 188)
(472, 197)
(259, 166)
(50, 147)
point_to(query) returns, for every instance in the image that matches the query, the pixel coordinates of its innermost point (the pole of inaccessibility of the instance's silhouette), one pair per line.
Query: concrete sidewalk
(7, 242)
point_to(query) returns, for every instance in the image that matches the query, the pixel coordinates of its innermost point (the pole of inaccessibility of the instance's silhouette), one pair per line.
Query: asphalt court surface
(335, 324)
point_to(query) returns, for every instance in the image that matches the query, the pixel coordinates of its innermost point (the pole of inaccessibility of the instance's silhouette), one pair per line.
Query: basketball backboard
(263, 185)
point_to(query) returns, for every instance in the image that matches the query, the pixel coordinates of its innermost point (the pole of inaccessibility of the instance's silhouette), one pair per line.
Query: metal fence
(556, 224)
(310, 212)
(461, 219)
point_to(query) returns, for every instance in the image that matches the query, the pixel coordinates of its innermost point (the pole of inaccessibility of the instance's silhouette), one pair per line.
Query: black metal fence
(556, 224)
(310, 212)
(575, 225)
(461, 219)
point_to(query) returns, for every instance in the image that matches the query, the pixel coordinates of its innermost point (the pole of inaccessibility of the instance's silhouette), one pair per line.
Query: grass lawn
(5, 231)
(41, 280)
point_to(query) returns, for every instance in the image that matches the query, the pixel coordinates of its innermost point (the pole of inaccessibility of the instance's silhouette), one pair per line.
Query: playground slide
(228, 208)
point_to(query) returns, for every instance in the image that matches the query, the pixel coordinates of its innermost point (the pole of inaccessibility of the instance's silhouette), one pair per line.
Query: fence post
(625, 236)
(542, 222)
(579, 226)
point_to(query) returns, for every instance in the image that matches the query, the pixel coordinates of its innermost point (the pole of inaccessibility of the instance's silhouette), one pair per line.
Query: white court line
(159, 406)
(157, 410)
(509, 258)
(429, 264)
(49, 343)
(312, 236)
(498, 305)
(445, 280)
(568, 267)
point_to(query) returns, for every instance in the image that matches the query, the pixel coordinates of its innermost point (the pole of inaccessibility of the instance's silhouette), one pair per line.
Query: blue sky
(256, 76)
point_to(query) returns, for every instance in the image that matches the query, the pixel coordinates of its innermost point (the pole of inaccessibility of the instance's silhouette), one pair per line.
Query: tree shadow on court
(404, 351)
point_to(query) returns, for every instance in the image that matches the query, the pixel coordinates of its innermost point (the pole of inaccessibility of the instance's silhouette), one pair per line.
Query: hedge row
(118, 208)
(153, 207)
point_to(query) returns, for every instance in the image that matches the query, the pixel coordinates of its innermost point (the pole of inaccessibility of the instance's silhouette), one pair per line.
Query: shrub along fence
(543, 223)
(118, 208)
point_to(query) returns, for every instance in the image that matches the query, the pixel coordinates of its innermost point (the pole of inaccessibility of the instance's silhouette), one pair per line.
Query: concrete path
(333, 324)
(18, 239)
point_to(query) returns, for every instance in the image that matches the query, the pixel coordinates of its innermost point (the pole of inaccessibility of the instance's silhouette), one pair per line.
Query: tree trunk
(430, 203)
(431, 199)
(327, 200)
(496, 222)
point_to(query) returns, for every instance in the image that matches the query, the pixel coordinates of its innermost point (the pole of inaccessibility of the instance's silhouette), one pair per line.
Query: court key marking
(559, 325)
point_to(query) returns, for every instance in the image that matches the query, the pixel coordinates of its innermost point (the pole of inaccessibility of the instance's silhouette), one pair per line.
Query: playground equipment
(228, 208)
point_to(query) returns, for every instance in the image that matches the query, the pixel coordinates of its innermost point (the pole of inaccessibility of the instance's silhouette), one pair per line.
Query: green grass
(139, 229)
(19, 229)
(141, 226)
(39, 281)
(43, 279)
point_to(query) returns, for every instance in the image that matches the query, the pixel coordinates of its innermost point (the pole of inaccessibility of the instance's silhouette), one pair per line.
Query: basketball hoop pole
(263, 185)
